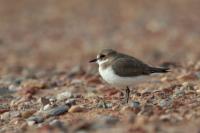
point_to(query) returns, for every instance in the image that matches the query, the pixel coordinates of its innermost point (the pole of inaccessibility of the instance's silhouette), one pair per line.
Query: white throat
(100, 62)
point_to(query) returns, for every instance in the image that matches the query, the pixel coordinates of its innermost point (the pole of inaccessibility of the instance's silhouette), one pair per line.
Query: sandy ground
(47, 84)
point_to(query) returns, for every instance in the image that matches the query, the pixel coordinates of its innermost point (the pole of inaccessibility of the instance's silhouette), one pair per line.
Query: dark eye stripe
(102, 56)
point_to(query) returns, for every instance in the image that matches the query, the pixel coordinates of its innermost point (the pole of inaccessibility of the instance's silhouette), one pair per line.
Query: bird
(122, 70)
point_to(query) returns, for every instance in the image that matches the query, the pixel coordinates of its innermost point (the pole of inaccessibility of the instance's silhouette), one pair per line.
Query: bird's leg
(127, 94)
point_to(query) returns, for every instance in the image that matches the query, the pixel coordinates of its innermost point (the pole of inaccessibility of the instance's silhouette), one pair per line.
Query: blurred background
(50, 33)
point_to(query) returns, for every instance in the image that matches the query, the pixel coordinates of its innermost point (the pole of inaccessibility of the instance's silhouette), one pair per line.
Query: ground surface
(47, 84)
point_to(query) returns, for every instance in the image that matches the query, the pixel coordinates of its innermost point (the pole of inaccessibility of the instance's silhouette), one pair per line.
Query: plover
(121, 70)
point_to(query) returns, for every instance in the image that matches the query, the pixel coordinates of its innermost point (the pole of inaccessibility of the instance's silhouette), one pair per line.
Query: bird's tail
(159, 70)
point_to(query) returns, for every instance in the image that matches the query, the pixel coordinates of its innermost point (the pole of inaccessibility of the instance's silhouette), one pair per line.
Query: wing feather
(130, 67)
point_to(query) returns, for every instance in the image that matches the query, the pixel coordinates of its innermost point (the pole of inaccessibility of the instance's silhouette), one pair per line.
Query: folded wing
(131, 67)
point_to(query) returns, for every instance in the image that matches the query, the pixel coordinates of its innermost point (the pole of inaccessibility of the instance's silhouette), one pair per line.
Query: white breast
(109, 76)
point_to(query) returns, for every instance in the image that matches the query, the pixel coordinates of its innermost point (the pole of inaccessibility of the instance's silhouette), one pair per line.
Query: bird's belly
(109, 76)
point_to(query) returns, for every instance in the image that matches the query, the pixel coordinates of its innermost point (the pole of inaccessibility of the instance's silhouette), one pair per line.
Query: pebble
(187, 85)
(77, 81)
(14, 114)
(77, 108)
(4, 91)
(70, 102)
(13, 88)
(54, 122)
(64, 95)
(135, 104)
(103, 104)
(34, 120)
(178, 92)
(47, 107)
(165, 103)
(5, 116)
(28, 113)
(166, 117)
(44, 101)
(57, 110)
(30, 123)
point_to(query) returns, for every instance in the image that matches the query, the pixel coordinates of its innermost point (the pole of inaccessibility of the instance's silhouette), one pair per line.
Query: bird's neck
(105, 65)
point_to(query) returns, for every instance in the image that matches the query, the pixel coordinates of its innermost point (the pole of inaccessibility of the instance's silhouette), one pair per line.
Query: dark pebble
(57, 110)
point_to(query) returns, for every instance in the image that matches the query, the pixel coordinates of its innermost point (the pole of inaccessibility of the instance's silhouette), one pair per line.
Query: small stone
(52, 100)
(54, 122)
(13, 88)
(135, 104)
(44, 101)
(4, 91)
(34, 120)
(57, 110)
(103, 104)
(186, 84)
(165, 103)
(166, 117)
(70, 102)
(27, 113)
(178, 93)
(76, 108)
(64, 95)
(30, 123)
(14, 114)
(47, 107)
(5, 116)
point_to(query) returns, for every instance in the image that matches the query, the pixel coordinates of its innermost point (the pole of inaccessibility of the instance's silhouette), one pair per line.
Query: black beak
(94, 60)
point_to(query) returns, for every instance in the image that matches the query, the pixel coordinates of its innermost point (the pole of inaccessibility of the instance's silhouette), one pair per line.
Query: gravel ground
(47, 84)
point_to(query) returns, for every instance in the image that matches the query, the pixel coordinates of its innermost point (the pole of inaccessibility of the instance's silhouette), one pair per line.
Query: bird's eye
(102, 56)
